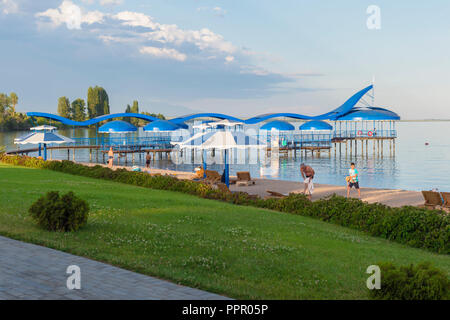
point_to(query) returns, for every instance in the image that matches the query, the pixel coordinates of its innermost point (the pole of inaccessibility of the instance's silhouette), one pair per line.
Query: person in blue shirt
(353, 180)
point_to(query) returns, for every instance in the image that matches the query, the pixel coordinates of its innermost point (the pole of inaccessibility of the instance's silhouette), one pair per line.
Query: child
(352, 180)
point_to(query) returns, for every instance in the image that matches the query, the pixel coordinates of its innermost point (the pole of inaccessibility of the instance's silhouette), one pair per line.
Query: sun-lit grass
(241, 252)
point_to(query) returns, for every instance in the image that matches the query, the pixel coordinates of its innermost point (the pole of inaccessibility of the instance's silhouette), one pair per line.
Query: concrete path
(29, 271)
(390, 197)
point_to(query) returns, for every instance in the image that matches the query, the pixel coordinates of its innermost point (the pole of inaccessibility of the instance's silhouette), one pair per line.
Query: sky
(240, 57)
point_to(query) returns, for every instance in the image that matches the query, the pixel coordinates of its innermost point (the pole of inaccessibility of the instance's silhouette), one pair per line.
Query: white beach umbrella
(44, 138)
(225, 140)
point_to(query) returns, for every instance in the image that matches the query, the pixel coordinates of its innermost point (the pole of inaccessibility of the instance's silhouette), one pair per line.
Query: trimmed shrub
(417, 227)
(60, 213)
(421, 282)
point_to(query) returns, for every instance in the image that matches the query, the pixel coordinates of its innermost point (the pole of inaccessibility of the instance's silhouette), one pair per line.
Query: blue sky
(237, 57)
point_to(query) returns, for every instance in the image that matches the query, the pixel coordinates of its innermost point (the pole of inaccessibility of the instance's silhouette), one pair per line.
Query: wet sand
(390, 197)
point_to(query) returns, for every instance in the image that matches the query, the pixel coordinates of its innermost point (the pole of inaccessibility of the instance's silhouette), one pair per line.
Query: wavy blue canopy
(278, 125)
(161, 126)
(345, 109)
(90, 121)
(220, 116)
(316, 125)
(117, 126)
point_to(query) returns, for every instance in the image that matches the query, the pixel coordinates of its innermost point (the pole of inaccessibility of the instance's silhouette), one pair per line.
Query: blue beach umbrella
(117, 126)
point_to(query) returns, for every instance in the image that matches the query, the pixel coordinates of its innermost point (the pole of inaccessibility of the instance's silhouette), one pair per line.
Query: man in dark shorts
(353, 180)
(110, 157)
(308, 175)
(147, 160)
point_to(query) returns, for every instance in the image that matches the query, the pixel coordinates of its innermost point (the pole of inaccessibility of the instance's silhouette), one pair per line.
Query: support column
(362, 148)
(367, 148)
(351, 148)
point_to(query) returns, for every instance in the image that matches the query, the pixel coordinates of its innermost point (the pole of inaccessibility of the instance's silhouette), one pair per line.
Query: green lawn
(241, 252)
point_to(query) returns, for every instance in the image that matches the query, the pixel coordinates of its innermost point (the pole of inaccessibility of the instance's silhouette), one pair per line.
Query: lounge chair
(274, 194)
(243, 178)
(432, 199)
(212, 177)
(446, 198)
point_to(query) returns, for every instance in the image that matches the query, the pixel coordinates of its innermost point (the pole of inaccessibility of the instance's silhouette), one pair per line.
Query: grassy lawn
(241, 252)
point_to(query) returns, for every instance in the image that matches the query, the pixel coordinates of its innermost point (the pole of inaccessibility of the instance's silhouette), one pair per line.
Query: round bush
(60, 213)
(420, 282)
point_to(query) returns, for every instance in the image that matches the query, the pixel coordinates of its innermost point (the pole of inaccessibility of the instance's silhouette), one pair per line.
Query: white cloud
(70, 14)
(142, 30)
(254, 70)
(218, 11)
(163, 53)
(170, 33)
(136, 19)
(229, 59)
(9, 6)
(110, 2)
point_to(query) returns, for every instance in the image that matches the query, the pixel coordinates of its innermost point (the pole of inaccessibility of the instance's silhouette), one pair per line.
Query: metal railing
(365, 134)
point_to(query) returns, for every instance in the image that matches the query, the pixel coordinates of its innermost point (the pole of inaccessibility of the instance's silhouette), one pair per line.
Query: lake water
(415, 166)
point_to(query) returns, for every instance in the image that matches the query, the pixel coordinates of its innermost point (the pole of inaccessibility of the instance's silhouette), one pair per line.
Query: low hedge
(417, 227)
(420, 282)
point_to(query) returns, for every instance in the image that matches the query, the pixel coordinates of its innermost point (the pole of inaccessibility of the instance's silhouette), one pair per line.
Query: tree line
(97, 105)
(10, 119)
(78, 110)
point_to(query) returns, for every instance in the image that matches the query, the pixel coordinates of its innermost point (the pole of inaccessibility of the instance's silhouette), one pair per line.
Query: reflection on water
(415, 166)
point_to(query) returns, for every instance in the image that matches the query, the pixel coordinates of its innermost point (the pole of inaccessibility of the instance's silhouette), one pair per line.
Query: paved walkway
(29, 271)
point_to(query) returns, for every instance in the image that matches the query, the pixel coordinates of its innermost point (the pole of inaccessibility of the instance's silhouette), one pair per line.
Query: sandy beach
(390, 197)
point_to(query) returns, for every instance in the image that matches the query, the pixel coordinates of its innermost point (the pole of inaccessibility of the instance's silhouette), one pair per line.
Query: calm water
(415, 166)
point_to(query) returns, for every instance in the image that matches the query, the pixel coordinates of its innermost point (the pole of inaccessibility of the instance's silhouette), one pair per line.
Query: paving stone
(28, 271)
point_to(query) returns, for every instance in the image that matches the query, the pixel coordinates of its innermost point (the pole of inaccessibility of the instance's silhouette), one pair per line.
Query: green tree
(127, 110)
(64, 109)
(135, 109)
(97, 102)
(14, 100)
(4, 103)
(79, 110)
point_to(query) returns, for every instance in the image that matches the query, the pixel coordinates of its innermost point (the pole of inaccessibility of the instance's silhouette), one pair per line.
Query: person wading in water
(110, 157)
(148, 158)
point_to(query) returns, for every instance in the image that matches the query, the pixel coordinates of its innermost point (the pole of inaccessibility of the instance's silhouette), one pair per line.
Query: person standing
(110, 157)
(148, 158)
(353, 180)
(308, 176)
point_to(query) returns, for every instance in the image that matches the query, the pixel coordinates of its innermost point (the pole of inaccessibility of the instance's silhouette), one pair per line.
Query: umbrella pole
(227, 169)
(45, 152)
(204, 164)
